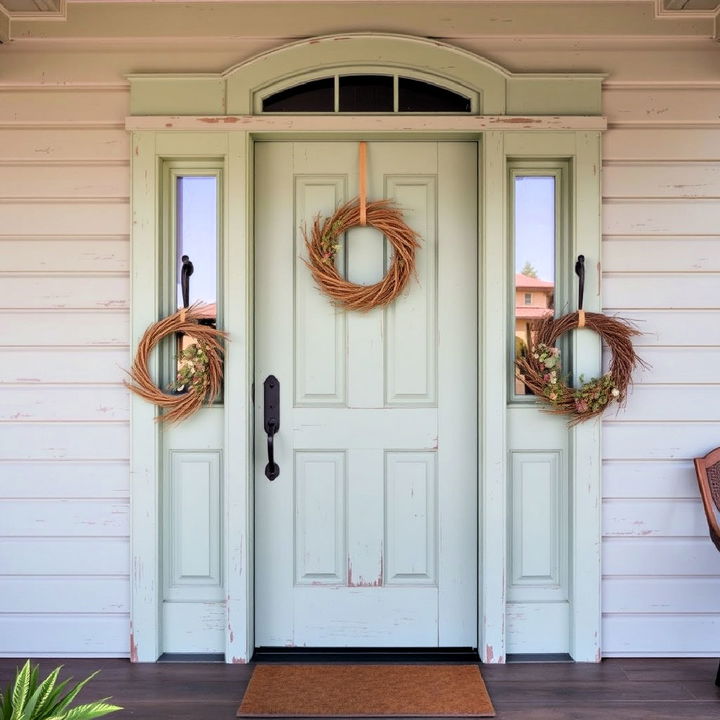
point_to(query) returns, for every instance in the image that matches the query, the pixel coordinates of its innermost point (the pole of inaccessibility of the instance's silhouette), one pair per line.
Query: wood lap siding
(661, 256)
(64, 310)
(64, 314)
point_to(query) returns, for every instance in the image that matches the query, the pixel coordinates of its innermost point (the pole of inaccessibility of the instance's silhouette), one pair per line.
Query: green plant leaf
(46, 690)
(64, 702)
(20, 690)
(91, 710)
(53, 698)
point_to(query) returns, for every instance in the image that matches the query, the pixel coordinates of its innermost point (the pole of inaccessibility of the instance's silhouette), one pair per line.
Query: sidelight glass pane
(534, 224)
(196, 239)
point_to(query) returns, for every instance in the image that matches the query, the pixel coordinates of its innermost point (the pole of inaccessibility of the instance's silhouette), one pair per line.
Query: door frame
(183, 116)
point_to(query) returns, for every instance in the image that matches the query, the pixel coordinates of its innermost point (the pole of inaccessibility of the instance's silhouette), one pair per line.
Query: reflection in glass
(196, 253)
(534, 252)
(196, 239)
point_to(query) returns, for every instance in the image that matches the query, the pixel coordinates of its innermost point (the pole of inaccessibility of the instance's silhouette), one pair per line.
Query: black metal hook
(187, 270)
(580, 272)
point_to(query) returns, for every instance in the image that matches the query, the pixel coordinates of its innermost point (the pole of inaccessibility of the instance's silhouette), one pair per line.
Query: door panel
(368, 537)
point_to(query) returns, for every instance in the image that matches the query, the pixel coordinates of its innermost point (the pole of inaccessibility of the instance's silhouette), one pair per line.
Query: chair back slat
(707, 470)
(713, 474)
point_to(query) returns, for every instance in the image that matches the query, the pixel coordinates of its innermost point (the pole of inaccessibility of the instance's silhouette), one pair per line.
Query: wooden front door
(368, 537)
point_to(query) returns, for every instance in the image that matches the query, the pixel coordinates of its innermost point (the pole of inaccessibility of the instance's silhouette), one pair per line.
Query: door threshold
(361, 655)
(539, 658)
(191, 658)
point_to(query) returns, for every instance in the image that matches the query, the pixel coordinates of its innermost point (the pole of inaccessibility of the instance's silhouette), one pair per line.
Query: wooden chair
(707, 470)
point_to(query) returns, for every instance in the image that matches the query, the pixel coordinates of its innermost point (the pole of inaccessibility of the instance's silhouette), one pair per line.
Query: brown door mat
(366, 691)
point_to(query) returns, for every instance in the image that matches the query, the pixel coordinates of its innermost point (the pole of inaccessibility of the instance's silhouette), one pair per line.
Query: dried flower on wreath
(200, 370)
(540, 369)
(323, 243)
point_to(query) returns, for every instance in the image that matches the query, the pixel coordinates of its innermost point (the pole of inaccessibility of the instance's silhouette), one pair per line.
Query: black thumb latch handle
(187, 270)
(580, 272)
(271, 393)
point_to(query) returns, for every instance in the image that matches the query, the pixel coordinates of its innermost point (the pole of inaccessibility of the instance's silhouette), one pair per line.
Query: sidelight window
(538, 230)
(191, 195)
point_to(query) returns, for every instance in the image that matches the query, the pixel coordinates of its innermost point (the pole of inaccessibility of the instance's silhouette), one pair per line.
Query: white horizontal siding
(63, 254)
(88, 479)
(64, 181)
(637, 557)
(65, 634)
(63, 365)
(67, 328)
(654, 254)
(24, 440)
(64, 412)
(39, 146)
(661, 260)
(66, 556)
(64, 594)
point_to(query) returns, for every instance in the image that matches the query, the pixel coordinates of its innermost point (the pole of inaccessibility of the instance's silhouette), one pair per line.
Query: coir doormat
(366, 691)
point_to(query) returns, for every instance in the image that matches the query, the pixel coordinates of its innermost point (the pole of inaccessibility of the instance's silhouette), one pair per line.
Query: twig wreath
(199, 375)
(539, 368)
(323, 242)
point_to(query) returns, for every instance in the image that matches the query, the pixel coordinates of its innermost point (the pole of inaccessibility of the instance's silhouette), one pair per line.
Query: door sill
(361, 655)
(539, 658)
(191, 658)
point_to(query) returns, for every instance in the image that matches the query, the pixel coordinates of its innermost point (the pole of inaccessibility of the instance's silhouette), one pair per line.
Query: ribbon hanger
(362, 181)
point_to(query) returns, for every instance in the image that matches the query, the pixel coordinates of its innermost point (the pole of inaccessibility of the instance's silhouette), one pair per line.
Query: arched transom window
(376, 93)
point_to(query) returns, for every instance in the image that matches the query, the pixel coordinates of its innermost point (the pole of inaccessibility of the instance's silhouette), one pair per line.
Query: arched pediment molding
(493, 90)
(426, 59)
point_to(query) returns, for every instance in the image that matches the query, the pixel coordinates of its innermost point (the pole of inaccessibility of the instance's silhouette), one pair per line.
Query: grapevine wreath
(323, 242)
(199, 375)
(539, 367)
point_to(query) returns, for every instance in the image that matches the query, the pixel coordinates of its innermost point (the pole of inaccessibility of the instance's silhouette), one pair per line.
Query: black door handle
(271, 388)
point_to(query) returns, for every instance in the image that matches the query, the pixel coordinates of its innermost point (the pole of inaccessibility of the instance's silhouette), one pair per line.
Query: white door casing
(368, 537)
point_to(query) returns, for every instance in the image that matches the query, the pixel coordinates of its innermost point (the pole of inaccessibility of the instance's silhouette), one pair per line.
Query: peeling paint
(238, 660)
(361, 582)
(489, 654)
(133, 647)
(516, 120)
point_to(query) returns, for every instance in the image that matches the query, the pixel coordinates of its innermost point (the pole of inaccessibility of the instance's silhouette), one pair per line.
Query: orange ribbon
(362, 181)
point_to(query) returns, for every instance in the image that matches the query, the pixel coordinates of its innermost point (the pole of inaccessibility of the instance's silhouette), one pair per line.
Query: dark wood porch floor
(658, 689)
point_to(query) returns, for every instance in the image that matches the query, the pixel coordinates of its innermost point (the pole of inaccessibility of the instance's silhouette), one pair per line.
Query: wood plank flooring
(632, 689)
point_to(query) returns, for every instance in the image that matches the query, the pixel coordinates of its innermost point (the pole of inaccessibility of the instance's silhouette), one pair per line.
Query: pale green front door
(368, 537)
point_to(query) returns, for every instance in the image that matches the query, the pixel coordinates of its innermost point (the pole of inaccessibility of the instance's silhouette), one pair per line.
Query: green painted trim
(585, 446)
(237, 91)
(233, 144)
(239, 409)
(145, 452)
(4, 26)
(177, 95)
(492, 314)
(555, 95)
